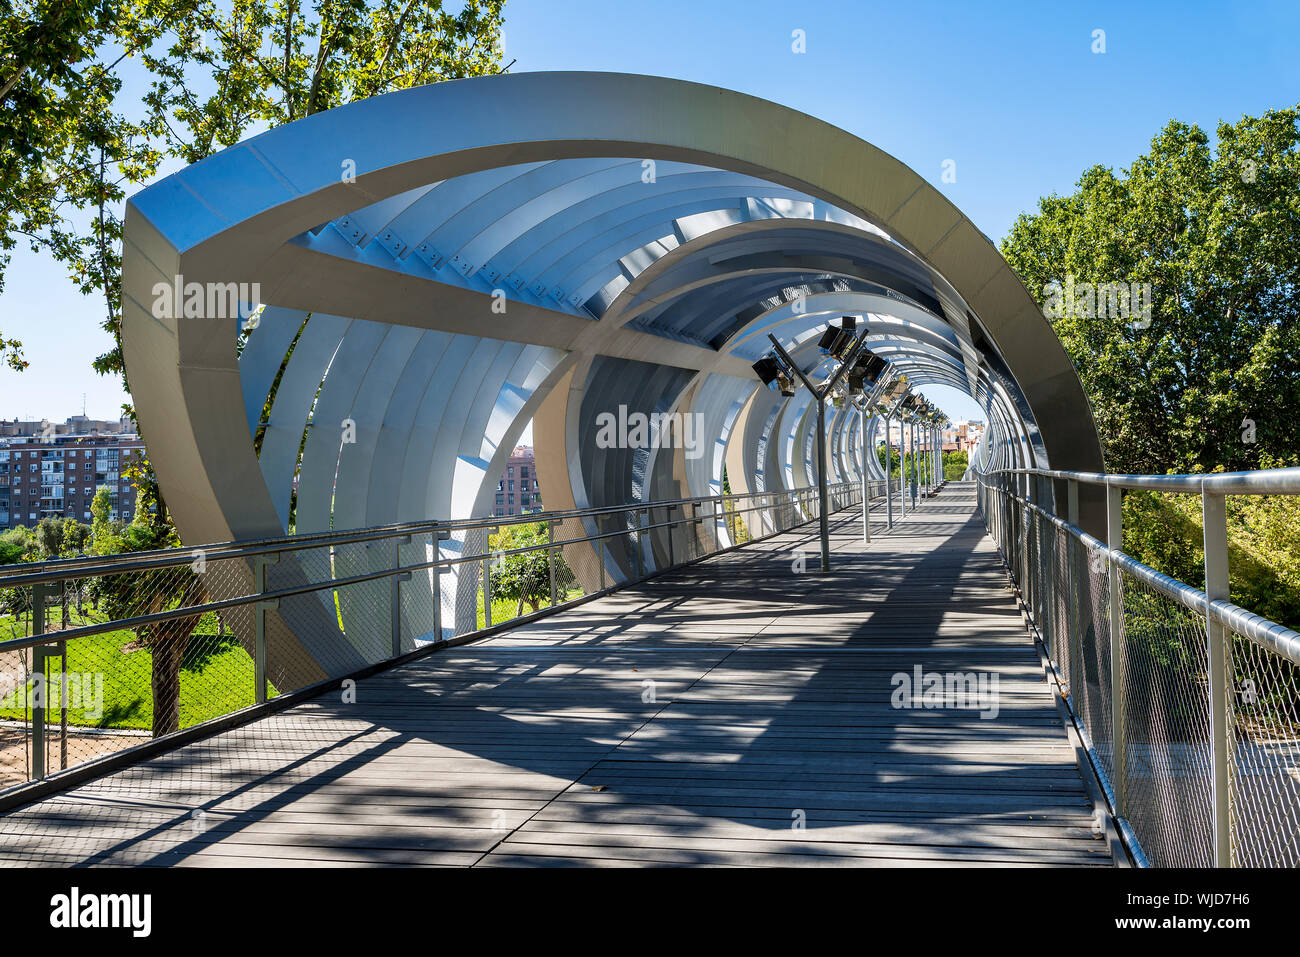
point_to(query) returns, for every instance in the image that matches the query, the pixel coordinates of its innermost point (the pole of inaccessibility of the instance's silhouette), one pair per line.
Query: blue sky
(1011, 92)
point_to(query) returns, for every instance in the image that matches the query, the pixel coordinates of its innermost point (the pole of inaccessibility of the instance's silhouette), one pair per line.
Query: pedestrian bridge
(756, 640)
(943, 695)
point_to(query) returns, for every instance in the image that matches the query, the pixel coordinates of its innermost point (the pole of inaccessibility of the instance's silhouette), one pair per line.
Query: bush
(1165, 532)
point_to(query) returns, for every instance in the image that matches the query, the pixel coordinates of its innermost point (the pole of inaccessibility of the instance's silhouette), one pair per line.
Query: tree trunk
(168, 648)
(166, 684)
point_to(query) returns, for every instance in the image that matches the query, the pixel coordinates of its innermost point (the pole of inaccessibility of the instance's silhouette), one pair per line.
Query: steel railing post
(1074, 621)
(902, 470)
(918, 437)
(640, 542)
(911, 462)
(438, 537)
(1215, 519)
(1032, 555)
(63, 705)
(394, 596)
(40, 686)
(672, 552)
(550, 558)
(1118, 672)
(866, 488)
(487, 576)
(260, 565)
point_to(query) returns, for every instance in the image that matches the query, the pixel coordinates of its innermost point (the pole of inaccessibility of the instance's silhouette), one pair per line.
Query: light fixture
(768, 370)
(838, 340)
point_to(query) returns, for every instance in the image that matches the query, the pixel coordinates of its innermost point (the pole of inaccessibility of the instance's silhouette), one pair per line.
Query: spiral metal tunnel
(441, 266)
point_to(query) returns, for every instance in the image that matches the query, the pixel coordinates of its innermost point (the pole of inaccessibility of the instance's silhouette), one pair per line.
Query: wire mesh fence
(1196, 783)
(1266, 812)
(1166, 709)
(100, 655)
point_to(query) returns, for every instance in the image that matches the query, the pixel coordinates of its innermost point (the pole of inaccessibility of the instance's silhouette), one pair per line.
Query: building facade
(962, 436)
(53, 471)
(518, 492)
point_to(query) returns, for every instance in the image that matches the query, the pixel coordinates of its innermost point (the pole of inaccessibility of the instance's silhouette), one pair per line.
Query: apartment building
(517, 490)
(52, 471)
(962, 436)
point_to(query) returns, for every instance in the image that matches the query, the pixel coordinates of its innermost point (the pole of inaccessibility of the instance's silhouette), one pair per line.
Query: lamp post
(860, 404)
(902, 464)
(865, 402)
(819, 397)
(889, 485)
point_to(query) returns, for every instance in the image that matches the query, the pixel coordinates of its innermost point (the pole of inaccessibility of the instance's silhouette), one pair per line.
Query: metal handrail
(35, 573)
(1268, 634)
(1258, 482)
(122, 564)
(1040, 592)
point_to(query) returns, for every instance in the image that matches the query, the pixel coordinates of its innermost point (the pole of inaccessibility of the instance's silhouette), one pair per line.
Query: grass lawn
(216, 674)
(216, 677)
(503, 609)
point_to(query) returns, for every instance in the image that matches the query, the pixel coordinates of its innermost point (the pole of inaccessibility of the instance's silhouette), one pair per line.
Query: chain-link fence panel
(1090, 689)
(1166, 728)
(1265, 814)
(95, 687)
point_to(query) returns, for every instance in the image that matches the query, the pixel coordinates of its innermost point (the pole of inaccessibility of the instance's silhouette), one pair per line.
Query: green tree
(64, 152)
(1215, 232)
(49, 538)
(105, 533)
(76, 537)
(955, 464)
(1212, 382)
(150, 592)
(526, 578)
(14, 545)
(68, 150)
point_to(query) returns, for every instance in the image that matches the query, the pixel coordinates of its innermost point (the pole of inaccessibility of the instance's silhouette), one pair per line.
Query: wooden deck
(731, 713)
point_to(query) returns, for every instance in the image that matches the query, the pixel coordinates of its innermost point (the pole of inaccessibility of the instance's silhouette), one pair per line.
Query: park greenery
(214, 71)
(525, 578)
(1213, 381)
